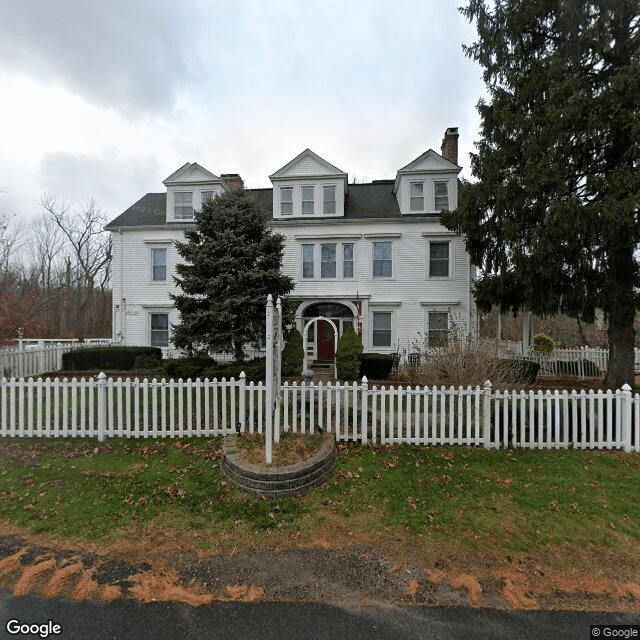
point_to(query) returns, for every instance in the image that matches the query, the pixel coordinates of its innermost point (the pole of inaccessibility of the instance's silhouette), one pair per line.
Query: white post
(625, 414)
(102, 405)
(242, 400)
(268, 437)
(486, 415)
(278, 370)
(364, 413)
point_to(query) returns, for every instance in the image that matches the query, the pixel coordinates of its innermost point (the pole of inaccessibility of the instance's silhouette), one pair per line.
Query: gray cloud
(126, 54)
(114, 180)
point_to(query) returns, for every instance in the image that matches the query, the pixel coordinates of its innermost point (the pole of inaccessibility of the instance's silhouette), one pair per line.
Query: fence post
(241, 406)
(486, 415)
(625, 414)
(102, 405)
(365, 408)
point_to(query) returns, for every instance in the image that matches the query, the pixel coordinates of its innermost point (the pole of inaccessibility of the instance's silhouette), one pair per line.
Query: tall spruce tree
(231, 263)
(552, 219)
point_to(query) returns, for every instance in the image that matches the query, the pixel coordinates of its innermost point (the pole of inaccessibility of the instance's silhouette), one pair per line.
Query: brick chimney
(233, 180)
(449, 148)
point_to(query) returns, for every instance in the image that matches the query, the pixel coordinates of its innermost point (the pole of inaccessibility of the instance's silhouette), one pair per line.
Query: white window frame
(302, 260)
(353, 260)
(155, 280)
(182, 205)
(336, 262)
(158, 312)
(412, 197)
(435, 204)
(393, 258)
(326, 202)
(428, 323)
(303, 201)
(206, 196)
(451, 258)
(286, 202)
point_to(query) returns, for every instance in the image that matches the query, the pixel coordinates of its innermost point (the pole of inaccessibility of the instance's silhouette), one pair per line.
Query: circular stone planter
(277, 482)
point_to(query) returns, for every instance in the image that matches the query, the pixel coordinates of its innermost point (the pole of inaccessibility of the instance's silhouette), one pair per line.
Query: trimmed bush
(292, 354)
(542, 343)
(254, 370)
(573, 368)
(348, 355)
(524, 370)
(376, 366)
(120, 358)
(188, 367)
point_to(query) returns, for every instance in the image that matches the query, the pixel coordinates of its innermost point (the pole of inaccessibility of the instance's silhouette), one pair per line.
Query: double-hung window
(307, 200)
(183, 205)
(159, 265)
(328, 260)
(207, 196)
(381, 328)
(307, 261)
(159, 329)
(329, 200)
(438, 328)
(441, 192)
(438, 259)
(416, 196)
(286, 201)
(347, 260)
(382, 260)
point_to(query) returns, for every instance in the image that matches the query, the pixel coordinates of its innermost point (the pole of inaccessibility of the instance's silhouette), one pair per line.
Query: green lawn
(502, 501)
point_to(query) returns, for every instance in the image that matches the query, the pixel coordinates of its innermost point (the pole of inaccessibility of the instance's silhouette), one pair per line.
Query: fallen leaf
(412, 503)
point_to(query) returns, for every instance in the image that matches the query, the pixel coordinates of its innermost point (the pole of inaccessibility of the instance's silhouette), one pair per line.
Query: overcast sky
(105, 99)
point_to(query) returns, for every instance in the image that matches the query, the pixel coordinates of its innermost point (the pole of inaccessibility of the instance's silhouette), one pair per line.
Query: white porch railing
(108, 407)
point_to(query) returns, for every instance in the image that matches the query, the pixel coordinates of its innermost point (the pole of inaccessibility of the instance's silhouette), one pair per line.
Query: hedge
(376, 366)
(205, 367)
(120, 358)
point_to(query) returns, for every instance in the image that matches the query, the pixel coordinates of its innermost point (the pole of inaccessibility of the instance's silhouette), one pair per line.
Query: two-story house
(372, 255)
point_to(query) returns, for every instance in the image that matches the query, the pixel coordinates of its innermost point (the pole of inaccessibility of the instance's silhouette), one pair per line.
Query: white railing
(107, 407)
(34, 357)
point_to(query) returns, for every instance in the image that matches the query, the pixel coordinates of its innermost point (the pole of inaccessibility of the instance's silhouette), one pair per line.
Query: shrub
(348, 355)
(188, 367)
(254, 370)
(574, 368)
(524, 370)
(292, 354)
(542, 343)
(376, 366)
(121, 358)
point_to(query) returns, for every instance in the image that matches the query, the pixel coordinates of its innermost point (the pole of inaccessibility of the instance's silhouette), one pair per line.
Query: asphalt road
(129, 620)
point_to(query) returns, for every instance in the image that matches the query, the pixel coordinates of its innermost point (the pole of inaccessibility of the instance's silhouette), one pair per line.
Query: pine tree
(231, 263)
(553, 217)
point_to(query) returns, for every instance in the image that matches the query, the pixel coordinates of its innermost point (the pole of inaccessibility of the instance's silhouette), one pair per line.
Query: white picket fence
(578, 361)
(35, 357)
(107, 407)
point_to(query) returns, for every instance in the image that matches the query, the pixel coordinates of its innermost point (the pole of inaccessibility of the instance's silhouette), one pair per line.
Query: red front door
(326, 344)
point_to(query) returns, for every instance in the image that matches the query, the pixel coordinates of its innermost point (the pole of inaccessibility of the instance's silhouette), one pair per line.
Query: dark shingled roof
(369, 200)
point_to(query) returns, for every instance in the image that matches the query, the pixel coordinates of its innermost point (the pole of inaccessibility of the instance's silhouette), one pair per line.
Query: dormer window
(286, 201)
(307, 201)
(441, 195)
(207, 196)
(417, 196)
(183, 205)
(329, 193)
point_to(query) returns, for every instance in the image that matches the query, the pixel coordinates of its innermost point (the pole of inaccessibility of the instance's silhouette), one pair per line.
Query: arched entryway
(321, 338)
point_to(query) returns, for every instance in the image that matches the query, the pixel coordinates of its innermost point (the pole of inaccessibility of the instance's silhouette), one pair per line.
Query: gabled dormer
(429, 183)
(188, 189)
(308, 187)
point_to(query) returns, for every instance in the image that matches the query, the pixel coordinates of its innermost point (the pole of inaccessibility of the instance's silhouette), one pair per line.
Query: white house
(371, 255)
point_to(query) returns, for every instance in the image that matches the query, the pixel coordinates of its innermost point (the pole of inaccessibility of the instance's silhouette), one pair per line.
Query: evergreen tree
(553, 217)
(231, 263)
